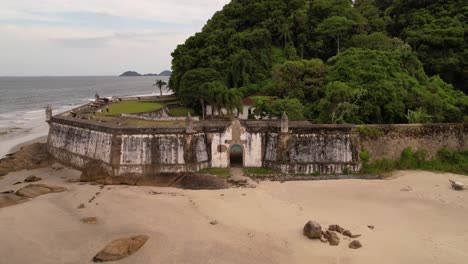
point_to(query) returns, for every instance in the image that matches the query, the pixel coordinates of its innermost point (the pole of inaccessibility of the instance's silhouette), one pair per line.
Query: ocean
(23, 99)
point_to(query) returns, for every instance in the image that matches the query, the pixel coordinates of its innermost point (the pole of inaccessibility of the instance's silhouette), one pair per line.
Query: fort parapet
(290, 146)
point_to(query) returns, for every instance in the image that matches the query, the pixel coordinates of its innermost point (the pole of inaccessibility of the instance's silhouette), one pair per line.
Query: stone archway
(236, 156)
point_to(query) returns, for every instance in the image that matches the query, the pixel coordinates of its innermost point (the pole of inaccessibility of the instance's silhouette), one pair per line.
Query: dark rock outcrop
(355, 244)
(27, 158)
(312, 230)
(121, 248)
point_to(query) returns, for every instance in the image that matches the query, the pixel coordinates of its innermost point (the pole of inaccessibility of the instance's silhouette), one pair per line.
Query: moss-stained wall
(388, 141)
(301, 148)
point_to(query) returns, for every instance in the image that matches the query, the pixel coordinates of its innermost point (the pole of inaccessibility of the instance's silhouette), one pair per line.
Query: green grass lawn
(259, 171)
(132, 107)
(220, 172)
(180, 111)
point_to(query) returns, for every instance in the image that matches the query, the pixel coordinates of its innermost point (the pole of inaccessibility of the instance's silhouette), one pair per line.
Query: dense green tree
(292, 107)
(190, 93)
(336, 27)
(379, 54)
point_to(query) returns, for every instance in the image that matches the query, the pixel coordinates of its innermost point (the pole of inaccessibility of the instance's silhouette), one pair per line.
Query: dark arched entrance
(236, 156)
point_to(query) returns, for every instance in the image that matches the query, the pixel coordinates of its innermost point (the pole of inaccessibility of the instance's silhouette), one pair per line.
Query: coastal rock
(121, 248)
(34, 190)
(332, 238)
(312, 230)
(355, 244)
(458, 186)
(8, 199)
(29, 157)
(32, 178)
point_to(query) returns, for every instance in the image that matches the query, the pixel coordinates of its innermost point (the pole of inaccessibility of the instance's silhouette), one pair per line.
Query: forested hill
(332, 61)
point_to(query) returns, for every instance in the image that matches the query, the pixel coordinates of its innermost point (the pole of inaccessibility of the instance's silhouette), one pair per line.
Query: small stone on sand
(355, 244)
(89, 220)
(121, 248)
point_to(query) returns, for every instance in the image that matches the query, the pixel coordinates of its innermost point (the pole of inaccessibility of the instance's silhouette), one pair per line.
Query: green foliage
(260, 105)
(377, 54)
(369, 132)
(446, 160)
(364, 155)
(293, 108)
(258, 171)
(418, 116)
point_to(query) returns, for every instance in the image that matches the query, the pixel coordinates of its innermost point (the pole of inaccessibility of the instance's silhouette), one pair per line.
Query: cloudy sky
(96, 37)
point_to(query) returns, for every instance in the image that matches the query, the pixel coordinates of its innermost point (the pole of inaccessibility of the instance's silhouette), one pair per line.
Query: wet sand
(426, 222)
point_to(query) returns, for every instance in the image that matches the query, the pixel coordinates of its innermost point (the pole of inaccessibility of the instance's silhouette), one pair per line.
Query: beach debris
(244, 194)
(355, 244)
(81, 206)
(332, 238)
(371, 227)
(121, 248)
(32, 178)
(89, 220)
(16, 183)
(92, 199)
(312, 230)
(9, 191)
(214, 222)
(458, 186)
(406, 189)
(34, 190)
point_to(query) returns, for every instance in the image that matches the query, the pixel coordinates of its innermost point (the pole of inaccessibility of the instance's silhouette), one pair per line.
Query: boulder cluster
(313, 230)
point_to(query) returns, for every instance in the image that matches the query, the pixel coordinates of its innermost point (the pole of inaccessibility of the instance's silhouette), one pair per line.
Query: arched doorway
(236, 156)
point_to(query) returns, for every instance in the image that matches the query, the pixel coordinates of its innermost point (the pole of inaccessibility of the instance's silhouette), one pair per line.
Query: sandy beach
(418, 218)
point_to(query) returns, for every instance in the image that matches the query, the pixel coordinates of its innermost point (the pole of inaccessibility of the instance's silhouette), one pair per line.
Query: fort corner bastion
(191, 145)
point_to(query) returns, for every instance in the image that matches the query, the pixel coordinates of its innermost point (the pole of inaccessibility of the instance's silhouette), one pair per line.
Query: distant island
(136, 74)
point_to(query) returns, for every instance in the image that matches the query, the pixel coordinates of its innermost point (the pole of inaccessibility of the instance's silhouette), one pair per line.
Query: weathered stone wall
(76, 146)
(296, 147)
(391, 140)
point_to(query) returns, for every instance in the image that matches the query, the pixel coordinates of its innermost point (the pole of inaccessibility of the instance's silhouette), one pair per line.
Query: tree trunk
(160, 90)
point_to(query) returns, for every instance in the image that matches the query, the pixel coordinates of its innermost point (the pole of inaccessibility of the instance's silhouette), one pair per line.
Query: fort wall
(294, 147)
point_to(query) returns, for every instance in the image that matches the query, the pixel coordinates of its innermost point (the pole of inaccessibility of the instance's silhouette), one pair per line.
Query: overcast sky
(96, 37)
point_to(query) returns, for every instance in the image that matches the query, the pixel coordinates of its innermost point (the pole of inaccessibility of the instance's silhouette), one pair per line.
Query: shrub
(369, 132)
(365, 156)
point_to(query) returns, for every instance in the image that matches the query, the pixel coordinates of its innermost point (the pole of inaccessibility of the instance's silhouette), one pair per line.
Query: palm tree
(160, 84)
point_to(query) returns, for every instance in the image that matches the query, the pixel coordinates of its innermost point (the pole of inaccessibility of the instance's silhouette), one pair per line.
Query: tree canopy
(331, 61)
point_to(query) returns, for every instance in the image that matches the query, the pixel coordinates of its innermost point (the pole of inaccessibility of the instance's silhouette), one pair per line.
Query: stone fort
(296, 147)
